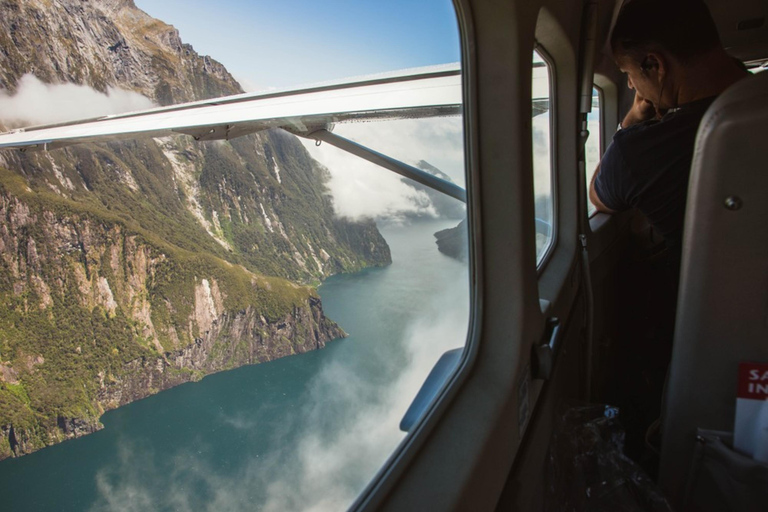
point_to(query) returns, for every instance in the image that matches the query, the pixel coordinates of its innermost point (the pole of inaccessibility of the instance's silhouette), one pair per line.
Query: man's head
(681, 28)
(654, 39)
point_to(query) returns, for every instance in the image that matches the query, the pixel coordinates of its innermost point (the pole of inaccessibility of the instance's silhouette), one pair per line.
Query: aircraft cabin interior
(580, 325)
(587, 382)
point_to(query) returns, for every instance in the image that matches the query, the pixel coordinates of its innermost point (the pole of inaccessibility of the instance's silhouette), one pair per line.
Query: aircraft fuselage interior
(593, 306)
(586, 381)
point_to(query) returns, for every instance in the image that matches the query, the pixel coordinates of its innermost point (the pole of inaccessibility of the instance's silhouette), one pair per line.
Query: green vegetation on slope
(63, 348)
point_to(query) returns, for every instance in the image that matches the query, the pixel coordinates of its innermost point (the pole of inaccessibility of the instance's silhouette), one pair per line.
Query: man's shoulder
(641, 136)
(679, 122)
(636, 130)
(650, 141)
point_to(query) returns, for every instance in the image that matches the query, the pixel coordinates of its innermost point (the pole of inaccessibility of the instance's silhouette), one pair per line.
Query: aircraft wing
(310, 112)
(417, 94)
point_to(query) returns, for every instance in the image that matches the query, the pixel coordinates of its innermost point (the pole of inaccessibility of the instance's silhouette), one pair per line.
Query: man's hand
(642, 110)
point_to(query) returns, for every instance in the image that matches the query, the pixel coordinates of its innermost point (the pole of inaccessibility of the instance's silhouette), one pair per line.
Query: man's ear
(655, 63)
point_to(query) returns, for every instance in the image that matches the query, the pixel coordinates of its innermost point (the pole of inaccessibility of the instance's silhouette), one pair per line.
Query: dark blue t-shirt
(647, 167)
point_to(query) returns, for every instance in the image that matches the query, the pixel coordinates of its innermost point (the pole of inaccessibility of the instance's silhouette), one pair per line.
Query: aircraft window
(146, 277)
(594, 142)
(542, 155)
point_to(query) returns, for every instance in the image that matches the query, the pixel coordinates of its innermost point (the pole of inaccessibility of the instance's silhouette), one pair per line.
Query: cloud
(250, 85)
(121, 489)
(38, 103)
(313, 482)
(361, 189)
(238, 421)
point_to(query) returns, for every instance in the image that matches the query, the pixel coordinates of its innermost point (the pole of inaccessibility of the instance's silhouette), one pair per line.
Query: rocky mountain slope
(453, 241)
(127, 268)
(445, 206)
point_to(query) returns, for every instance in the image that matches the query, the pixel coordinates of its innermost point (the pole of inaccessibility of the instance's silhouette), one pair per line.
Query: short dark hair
(683, 28)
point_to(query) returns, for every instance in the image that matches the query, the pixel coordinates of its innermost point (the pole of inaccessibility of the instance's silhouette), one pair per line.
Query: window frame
(541, 262)
(468, 439)
(591, 210)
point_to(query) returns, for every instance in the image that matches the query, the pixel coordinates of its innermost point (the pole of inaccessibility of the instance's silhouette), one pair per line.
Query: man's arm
(642, 110)
(593, 194)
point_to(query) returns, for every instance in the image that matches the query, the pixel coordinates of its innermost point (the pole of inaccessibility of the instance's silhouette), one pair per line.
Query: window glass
(756, 66)
(232, 324)
(593, 146)
(542, 155)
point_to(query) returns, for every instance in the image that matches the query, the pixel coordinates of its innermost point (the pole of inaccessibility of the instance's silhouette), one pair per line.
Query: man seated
(673, 58)
(671, 53)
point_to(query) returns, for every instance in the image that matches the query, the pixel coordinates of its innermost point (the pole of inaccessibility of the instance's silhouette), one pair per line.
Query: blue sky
(296, 42)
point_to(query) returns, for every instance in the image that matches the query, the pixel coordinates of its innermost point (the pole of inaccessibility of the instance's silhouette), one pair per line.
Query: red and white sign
(753, 381)
(750, 433)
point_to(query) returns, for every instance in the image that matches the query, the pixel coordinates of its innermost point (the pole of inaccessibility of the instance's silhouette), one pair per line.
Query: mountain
(445, 206)
(130, 267)
(454, 242)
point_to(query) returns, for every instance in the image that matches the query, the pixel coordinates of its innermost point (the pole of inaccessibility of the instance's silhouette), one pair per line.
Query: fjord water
(306, 432)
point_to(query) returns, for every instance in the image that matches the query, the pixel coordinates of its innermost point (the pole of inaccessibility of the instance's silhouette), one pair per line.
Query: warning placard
(753, 381)
(750, 433)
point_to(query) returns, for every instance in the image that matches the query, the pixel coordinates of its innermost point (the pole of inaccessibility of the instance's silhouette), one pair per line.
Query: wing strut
(389, 163)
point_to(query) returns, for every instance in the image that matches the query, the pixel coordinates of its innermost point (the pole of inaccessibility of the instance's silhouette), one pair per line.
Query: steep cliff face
(127, 268)
(96, 313)
(454, 242)
(103, 43)
(235, 338)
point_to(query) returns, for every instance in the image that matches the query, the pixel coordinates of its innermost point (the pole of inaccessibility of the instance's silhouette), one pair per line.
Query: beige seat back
(722, 316)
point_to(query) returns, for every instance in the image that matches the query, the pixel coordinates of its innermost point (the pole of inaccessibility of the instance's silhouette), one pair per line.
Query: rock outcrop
(454, 242)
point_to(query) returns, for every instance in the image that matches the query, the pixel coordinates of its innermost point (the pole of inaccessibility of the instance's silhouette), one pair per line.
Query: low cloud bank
(36, 102)
(315, 480)
(363, 190)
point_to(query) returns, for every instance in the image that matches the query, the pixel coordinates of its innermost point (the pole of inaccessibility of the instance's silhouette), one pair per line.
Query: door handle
(544, 354)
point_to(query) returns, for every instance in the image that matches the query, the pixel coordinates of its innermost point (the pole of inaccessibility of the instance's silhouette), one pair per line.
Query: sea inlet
(306, 432)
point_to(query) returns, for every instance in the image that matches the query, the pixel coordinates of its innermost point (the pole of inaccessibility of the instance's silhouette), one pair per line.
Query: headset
(645, 66)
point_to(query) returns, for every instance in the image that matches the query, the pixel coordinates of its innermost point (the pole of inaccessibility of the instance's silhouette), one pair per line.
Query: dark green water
(304, 432)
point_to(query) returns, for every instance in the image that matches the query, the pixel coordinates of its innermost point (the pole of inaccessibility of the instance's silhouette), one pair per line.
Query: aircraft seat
(722, 315)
